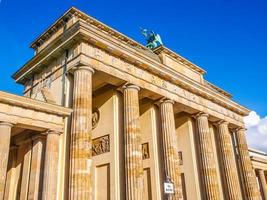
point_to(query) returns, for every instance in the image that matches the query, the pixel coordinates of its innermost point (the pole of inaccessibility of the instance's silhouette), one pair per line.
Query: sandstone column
(249, 177)
(26, 167)
(10, 187)
(170, 146)
(207, 159)
(133, 145)
(37, 160)
(81, 187)
(51, 166)
(229, 168)
(5, 135)
(263, 183)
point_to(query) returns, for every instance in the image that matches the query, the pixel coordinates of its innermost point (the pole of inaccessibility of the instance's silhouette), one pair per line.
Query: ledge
(76, 12)
(81, 28)
(179, 58)
(29, 103)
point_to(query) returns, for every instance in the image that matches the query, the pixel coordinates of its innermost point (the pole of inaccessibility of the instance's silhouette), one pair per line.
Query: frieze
(100, 145)
(157, 81)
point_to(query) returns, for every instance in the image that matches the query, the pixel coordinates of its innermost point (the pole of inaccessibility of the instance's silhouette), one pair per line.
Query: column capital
(13, 147)
(200, 114)
(240, 129)
(80, 66)
(218, 123)
(22, 141)
(48, 132)
(6, 123)
(84, 67)
(130, 86)
(165, 100)
(38, 136)
(259, 170)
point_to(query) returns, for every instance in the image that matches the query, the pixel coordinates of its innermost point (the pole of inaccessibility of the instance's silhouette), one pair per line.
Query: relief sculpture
(145, 151)
(95, 117)
(100, 145)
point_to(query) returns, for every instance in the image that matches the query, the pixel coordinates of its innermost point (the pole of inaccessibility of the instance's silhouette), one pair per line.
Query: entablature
(73, 14)
(86, 32)
(28, 113)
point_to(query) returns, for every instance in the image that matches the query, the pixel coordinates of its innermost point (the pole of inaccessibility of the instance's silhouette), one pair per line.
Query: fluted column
(170, 146)
(263, 183)
(36, 167)
(10, 187)
(207, 159)
(5, 135)
(81, 186)
(50, 179)
(250, 182)
(133, 145)
(230, 173)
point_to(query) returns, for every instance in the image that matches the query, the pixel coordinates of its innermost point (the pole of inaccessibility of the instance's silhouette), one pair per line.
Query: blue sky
(225, 37)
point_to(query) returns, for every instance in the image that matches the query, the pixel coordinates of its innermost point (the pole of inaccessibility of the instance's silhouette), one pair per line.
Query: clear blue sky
(225, 37)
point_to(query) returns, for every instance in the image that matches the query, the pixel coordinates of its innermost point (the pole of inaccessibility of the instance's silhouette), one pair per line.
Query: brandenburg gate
(104, 117)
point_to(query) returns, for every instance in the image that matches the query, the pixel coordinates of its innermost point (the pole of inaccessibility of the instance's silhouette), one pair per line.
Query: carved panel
(95, 117)
(100, 145)
(145, 151)
(180, 157)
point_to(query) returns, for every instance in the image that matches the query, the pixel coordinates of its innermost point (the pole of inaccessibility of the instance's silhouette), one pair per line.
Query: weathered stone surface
(249, 177)
(81, 186)
(207, 161)
(263, 183)
(171, 158)
(30, 113)
(37, 164)
(133, 144)
(26, 167)
(10, 180)
(50, 181)
(78, 39)
(228, 165)
(5, 134)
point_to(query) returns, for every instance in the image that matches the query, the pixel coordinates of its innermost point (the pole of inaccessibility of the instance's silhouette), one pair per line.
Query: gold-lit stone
(82, 66)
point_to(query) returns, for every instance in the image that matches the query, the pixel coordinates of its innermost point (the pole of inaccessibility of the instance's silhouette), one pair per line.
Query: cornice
(258, 152)
(258, 159)
(170, 74)
(50, 50)
(163, 49)
(74, 12)
(120, 42)
(164, 70)
(216, 88)
(53, 28)
(29, 103)
(151, 65)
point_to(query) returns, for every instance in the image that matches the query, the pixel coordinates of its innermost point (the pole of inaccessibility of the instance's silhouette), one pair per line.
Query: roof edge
(71, 9)
(34, 104)
(179, 57)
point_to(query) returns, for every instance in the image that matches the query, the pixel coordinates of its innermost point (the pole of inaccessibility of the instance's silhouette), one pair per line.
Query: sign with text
(168, 188)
